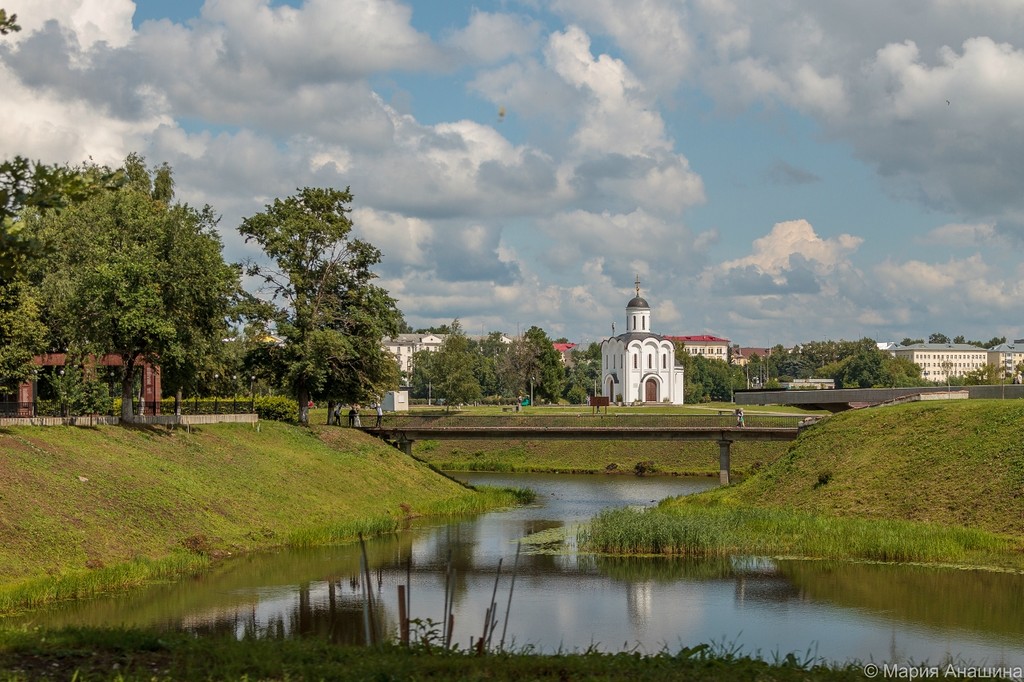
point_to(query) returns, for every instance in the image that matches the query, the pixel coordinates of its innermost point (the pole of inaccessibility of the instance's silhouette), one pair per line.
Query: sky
(772, 172)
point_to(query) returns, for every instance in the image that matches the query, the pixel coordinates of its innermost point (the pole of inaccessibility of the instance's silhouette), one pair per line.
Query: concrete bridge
(404, 430)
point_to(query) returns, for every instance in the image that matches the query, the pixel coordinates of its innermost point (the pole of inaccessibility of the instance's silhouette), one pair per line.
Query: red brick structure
(151, 390)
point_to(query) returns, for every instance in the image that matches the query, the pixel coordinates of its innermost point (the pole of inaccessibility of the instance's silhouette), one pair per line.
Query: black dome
(638, 302)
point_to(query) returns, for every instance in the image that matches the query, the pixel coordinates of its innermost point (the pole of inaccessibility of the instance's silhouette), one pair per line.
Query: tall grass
(706, 531)
(91, 583)
(487, 499)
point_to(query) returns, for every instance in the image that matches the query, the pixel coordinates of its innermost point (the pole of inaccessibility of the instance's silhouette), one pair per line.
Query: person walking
(352, 416)
(358, 424)
(380, 416)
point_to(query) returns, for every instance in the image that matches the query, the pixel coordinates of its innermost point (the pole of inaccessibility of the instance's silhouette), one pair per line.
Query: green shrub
(277, 408)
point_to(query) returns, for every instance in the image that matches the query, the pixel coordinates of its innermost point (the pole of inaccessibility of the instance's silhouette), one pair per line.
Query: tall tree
(583, 375)
(327, 308)
(517, 365)
(549, 379)
(136, 276)
(453, 366)
(22, 334)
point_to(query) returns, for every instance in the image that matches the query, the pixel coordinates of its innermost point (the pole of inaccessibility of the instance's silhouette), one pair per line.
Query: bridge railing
(587, 420)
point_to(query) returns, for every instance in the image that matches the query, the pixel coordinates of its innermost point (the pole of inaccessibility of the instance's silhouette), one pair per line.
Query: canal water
(563, 601)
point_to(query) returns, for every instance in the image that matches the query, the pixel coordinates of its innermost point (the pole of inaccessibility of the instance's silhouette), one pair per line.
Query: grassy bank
(87, 510)
(596, 456)
(923, 482)
(139, 655)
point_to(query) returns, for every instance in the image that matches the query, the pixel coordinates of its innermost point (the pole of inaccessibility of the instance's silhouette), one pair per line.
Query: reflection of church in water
(640, 366)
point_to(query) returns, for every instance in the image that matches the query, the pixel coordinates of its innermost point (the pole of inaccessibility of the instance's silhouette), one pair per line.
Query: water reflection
(567, 601)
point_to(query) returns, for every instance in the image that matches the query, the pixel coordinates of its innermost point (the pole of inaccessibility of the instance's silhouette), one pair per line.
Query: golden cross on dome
(638, 284)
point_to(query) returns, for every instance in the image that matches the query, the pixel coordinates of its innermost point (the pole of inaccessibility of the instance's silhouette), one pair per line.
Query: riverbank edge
(838, 462)
(68, 582)
(23, 595)
(89, 653)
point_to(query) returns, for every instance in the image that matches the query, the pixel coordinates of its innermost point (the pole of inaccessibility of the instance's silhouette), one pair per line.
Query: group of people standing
(353, 416)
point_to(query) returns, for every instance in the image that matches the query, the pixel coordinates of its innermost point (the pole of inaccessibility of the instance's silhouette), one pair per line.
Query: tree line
(101, 262)
(490, 370)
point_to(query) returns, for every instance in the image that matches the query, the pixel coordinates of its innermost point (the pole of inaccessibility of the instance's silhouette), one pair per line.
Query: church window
(650, 361)
(636, 356)
(643, 322)
(664, 360)
(634, 322)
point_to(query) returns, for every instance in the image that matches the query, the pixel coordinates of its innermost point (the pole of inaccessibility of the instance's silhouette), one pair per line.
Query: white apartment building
(1008, 356)
(941, 360)
(404, 345)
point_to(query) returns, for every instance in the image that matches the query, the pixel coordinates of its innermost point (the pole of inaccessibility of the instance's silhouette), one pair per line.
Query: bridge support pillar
(723, 461)
(405, 446)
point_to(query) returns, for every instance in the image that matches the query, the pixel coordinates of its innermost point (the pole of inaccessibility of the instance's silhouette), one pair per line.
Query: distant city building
(565, 350)
(711, 347)
(640, 366)
(805, 384)
(1007, 357)
(404, 345)
(742, 355)
(941, 360)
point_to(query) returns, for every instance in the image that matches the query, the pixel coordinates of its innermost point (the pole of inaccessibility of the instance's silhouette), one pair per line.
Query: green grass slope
(84, 498)
(595, 456)
(956, 463)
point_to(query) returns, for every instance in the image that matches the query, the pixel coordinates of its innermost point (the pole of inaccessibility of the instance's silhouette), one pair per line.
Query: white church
(640, 366)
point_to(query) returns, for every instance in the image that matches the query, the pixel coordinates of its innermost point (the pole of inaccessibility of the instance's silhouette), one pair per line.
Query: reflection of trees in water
(332, 611)
(459, 544)
(984, 601)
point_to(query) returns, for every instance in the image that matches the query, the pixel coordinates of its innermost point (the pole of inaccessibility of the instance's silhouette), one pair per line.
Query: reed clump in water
(718, 530)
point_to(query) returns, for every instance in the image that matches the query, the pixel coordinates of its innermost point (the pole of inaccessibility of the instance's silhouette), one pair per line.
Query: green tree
(24, 183)
(549, 377)
(937, 337)
(136, 276)
(517, 365)
(490, 352)
(871, 367)
(421, 380)
(22, 333)
(7, 23)
(986, 375)
(327, 308)
(454, 363)
(583, 372)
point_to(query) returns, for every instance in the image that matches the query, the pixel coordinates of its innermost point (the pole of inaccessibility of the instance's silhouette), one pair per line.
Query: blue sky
(773, 174)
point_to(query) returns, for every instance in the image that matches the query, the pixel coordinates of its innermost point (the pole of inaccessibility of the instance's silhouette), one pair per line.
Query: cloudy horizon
(772, 174)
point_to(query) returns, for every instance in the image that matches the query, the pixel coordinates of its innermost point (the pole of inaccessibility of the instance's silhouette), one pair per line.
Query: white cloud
(90, 21)
(618, 117)
(492, 37)
(654, 33)
(961, 234)
(500, 222)
(773, 253)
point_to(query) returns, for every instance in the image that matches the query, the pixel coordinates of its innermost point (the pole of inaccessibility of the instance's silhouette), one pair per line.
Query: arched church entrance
(651, 391)
(610, 393)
